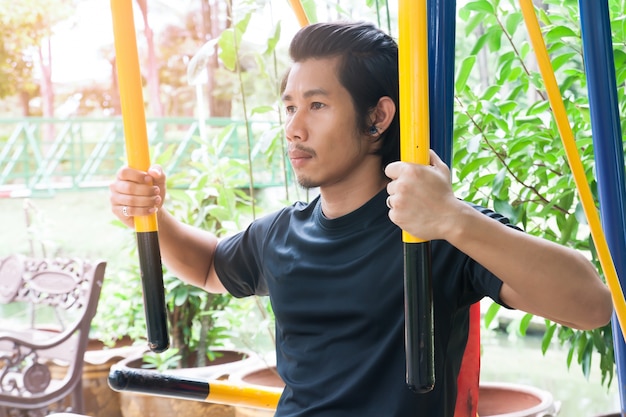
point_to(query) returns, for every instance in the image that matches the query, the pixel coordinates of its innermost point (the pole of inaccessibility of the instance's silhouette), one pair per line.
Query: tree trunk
(116, 105)
(154, 86)
(47, 90)
(213, 27)
(483, 60)
(24, 98)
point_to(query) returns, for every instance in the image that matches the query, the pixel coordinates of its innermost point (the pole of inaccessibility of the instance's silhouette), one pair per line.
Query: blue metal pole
(441, 47)
(608, 149)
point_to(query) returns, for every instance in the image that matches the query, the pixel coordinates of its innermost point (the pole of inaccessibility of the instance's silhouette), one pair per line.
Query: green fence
(39, 155)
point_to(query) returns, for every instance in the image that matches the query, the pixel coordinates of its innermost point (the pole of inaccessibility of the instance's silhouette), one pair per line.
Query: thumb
(157, 174)
(435, 160)
(438, 164)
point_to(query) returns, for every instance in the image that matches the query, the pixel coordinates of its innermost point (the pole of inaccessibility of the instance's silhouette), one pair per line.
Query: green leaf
(507, 106)
(310, 10)
(498, 182)
(261, 110)
(524, 323)
(513, 22)
(562, 59)
(490, 314)
(580, 214)
(567, 229)
(228, 52)
(242, 25)
(490, 92)
(480, 6)
(598, 341)
(480, 43)
(484, 180)
(503, 207)
(547, 337)
(494, 38)
(559, 32)
(586, 358)
(273, 40)
(538, 107)
(464, 72)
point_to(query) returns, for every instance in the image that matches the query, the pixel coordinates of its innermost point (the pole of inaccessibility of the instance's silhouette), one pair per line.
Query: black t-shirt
(337, 291)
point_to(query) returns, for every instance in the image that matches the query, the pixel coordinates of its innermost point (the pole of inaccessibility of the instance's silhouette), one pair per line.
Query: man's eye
(290, 109)
(317, 105)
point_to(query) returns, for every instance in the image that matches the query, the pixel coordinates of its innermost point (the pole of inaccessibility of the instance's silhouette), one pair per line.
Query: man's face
(325, 147)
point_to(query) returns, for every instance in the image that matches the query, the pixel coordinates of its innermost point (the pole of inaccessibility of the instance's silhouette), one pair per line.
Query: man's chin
(307, 183)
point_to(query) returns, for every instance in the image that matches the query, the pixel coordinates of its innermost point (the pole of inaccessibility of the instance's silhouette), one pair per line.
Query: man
(333, 268)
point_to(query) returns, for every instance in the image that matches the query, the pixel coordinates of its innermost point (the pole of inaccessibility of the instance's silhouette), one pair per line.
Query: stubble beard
(306, 183)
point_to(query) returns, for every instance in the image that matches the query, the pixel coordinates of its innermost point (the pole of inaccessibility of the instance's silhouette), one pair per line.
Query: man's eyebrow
(308, 94)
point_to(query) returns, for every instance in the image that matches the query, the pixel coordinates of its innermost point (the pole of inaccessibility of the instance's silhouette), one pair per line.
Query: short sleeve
(238, 262)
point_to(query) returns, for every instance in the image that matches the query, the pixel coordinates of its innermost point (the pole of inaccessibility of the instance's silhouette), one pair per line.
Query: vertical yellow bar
(413, 67)
(131, 97)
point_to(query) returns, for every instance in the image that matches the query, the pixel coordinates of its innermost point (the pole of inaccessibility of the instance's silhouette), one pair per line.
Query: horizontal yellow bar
(224, 392)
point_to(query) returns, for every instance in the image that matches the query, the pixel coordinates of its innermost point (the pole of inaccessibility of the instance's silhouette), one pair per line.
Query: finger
(392, 170)
(145, 204)
(157, 176)
(123, 213)
(134, 175)
(131, 211)
(140, 199)
(131, 182)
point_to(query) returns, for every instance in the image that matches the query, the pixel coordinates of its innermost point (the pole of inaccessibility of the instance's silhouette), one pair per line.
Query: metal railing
(42, 155)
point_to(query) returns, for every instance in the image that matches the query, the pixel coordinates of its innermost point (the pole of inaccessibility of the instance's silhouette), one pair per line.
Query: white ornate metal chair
(46, 308)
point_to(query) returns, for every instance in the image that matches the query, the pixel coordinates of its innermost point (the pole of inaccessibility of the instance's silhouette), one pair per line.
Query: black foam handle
(419, 323)
(150, 382)
(153, 290)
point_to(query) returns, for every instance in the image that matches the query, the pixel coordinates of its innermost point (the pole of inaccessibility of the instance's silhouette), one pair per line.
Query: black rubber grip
(419, 323)
(151, 382)
(153, 290)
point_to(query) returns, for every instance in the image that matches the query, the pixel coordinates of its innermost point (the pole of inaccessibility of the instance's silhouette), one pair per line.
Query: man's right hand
(137, 193)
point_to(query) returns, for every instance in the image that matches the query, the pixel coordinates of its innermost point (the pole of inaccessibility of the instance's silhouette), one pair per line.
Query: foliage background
(507, 151)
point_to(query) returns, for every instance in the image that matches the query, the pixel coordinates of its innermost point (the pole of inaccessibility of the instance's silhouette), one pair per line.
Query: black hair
(368, 69)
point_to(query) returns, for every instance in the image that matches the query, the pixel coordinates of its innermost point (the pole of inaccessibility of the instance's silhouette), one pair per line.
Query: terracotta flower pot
(262, 376)
(514, 400)
(99, 400)
(495, 399)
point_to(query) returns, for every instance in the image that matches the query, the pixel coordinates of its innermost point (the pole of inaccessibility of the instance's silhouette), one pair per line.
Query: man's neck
(341, 199)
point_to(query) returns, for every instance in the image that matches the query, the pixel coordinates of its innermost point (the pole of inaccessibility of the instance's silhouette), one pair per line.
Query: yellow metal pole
(224, 392)
(415, 147)
(136, 139)
(296, 5)
(573, 157)
(413, 66)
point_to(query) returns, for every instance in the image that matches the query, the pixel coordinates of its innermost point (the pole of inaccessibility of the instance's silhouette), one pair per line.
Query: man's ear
(383, 114)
